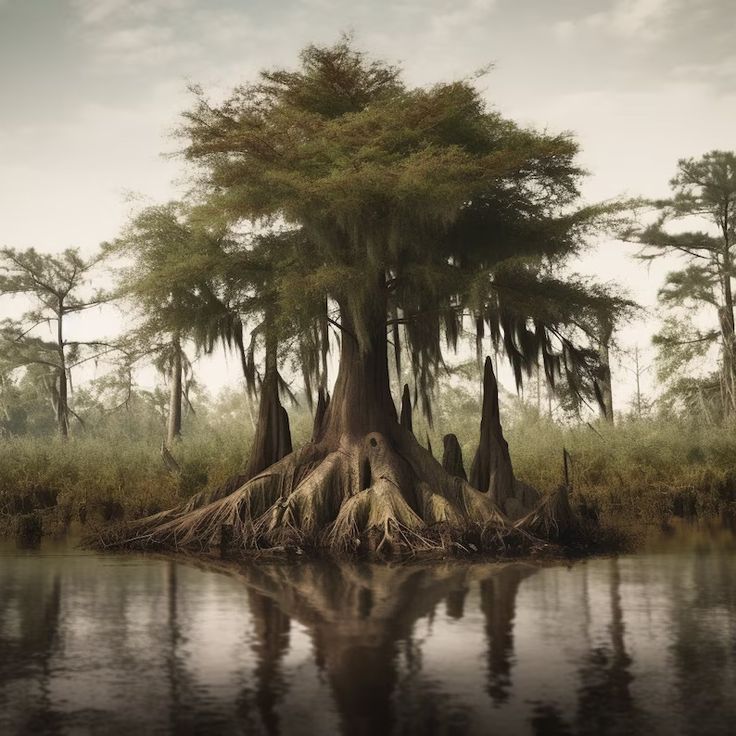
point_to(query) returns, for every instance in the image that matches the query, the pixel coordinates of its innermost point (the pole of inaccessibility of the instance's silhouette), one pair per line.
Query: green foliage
(25, 405)
(49, 278)
(637, 468)
(422, 203)
(58, 287)
(703, 189)
(680, 346)
(166, 276)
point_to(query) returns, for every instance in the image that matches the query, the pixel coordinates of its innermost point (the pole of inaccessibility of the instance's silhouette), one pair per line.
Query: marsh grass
(643, 470)
(646, 469)
(107, 478)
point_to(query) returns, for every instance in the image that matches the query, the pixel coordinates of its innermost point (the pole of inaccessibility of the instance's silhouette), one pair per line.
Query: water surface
(644, 644)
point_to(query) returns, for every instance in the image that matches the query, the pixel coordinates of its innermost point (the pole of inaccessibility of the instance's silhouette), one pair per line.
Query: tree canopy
(58, 287)
(419, 206)
(703, 193)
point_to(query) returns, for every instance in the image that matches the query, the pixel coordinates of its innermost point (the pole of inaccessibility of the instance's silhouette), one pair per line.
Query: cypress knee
(491, 470)
(452, 457)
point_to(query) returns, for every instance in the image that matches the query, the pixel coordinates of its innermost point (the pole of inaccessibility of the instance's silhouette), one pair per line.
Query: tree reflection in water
(604, 701)
(638, 645)
(498, 603)
(361, 619)
(25, 658)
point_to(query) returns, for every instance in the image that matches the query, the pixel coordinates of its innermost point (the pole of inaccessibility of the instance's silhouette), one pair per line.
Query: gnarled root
(552, 519)
(201, 526)
(369, 495)
(297, 519)
(380, 519)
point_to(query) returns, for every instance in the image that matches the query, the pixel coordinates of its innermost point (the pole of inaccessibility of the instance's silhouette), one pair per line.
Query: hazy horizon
(93, 88)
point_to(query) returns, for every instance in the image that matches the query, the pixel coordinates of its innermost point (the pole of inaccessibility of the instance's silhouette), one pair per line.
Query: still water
(93, 644)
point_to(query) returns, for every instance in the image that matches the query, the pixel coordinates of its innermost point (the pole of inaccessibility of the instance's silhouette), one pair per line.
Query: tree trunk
(62, 397)
(452, 457)
(604, 380)
(323, 401)
(361, 401)
(173, 431)
(491, 470)
(726, 320)
(406, 413)
(62, 407)
(728, 369)
(272, 439)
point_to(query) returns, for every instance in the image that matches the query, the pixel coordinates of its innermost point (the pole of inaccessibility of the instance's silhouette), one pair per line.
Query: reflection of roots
(365, 496)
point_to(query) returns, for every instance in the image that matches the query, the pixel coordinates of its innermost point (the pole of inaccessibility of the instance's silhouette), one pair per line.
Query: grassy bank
(109, 478)
(643, 469)
(637, 469)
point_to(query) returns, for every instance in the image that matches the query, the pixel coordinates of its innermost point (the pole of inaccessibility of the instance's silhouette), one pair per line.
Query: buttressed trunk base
(363, 485)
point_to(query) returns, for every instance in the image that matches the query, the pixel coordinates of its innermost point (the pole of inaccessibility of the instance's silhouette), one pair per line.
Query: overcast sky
(91, 89)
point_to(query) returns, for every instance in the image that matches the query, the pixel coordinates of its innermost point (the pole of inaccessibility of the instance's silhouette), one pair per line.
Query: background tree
(164, 248)
(703, 189)
(194, 278)
(13, 416)
(605, 335)
(58, 287)
(682, 350)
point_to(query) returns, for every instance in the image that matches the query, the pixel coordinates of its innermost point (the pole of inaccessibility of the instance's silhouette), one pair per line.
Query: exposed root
(379, 519)
(208, 495)
(202, 527)
(437, 509)
(367, 496)
(552, 519)
(299, 518)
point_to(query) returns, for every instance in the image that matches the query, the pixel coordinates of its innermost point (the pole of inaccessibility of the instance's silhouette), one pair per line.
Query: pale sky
(91, 90)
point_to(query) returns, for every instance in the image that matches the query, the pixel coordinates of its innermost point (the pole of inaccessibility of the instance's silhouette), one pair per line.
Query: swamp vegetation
(347, 236)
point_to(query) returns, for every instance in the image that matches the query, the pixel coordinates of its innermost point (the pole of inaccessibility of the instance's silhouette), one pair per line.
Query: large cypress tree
(421, 212)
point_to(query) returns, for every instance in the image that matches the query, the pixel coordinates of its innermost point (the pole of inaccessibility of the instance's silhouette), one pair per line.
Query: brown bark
(173, 431)
(604, 380)
(62, 410)
(62, 400)
(272, 439)
(405, 420)
(361, 401)
(491, 470)
(728, 366)
(726, 320)
(452, 457)
(323, 401)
